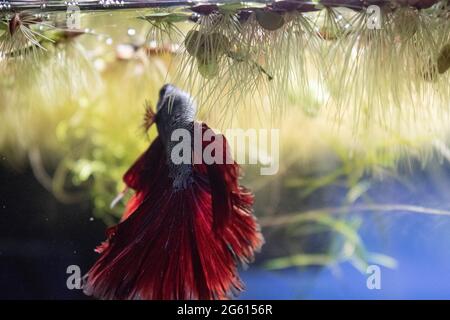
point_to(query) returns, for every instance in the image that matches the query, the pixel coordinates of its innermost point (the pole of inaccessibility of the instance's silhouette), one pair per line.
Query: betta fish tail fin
(223, 175)
(222, 179)
(168, 245)
(231, 203)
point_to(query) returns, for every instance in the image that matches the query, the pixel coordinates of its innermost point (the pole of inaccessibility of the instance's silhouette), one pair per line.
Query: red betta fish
(186, 228)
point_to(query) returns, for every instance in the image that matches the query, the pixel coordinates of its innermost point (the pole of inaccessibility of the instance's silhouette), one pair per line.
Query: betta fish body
(186, 228)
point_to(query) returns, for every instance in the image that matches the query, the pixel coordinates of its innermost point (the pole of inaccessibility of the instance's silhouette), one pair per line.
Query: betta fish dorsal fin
(141, 172)
(137, 176)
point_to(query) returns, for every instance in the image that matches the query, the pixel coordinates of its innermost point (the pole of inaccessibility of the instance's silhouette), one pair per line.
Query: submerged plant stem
(260, 68)
(311, 214)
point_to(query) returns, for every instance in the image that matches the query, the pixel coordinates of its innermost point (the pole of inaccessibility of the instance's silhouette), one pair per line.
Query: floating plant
(443, 60)
(269, 20)
(164, 26)
(23, 33)
(230, 50)
(351, 92)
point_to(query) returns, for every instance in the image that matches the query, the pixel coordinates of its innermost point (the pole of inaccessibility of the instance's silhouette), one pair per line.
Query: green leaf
(233, 7)
(382, 260)
(443, 60)
(269, 20)
(357, 191)
(208, 70)
(169, 17)
(206, 47)
(300, 260)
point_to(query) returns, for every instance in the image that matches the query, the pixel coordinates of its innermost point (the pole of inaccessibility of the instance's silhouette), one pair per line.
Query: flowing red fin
(168, 247)
(110, 232)
(223, 176)
(167, 250)
(138, 175)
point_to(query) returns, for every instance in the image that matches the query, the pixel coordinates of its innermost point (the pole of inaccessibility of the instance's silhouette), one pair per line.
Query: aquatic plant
(364, 98)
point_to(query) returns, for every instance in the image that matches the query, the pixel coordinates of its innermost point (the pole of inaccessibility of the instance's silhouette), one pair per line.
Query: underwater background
(41, 237)
(363, 120)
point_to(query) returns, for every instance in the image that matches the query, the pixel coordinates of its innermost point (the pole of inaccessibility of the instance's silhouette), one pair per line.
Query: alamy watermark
(252, 146)
(374, 19)
(73, 16)
(373, 281)
(74, 280)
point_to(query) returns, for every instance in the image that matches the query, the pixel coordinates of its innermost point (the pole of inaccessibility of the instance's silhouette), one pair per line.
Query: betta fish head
(175, 109)
(175, 105)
